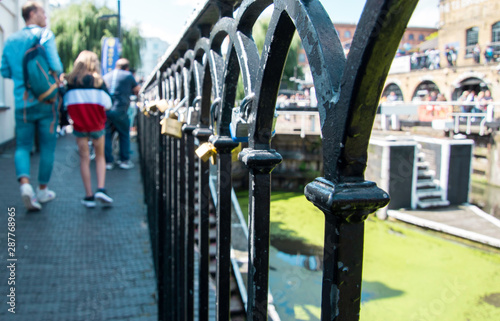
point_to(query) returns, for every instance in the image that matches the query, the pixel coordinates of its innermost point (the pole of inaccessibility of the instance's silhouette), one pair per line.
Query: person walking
(86, 100)
(30, 114)
(488, 54)
(476, 52)
(121, 84)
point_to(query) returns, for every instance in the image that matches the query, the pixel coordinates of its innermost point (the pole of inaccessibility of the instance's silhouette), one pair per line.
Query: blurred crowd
(431, 58)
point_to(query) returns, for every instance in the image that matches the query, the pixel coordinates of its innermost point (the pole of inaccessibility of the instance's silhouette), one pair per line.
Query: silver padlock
(193, 115)
(238, 126)
(239, 120)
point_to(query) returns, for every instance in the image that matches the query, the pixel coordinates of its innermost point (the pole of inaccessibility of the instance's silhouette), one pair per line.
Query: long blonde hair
(87, 63)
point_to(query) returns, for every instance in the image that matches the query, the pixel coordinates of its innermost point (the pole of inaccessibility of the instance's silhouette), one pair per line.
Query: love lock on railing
(175, 168)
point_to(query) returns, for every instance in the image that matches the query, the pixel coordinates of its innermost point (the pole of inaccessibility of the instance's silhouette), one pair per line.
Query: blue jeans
(43, 119)
(119, 121)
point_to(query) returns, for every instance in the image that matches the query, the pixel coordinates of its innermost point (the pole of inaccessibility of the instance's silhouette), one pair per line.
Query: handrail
(176, 181)
(411, 108)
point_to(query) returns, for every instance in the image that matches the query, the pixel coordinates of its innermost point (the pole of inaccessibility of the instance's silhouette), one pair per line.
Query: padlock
(239, 120)
(152, 107)
(162, 105)
(213, 159)
(235, 153)
(275, 118)
(206, 151)
(173, 127)
(193, 115)
(238, 127)
(182, 114)
(163, 124)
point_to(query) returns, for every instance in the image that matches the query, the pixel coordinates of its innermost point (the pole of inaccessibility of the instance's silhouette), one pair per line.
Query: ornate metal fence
(192, 93)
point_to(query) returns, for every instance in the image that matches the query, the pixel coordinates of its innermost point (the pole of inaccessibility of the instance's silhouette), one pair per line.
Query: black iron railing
(192, 92)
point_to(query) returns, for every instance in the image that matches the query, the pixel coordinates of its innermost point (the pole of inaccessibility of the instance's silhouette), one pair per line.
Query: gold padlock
(172, 115)
(162, 105)
(205, 151)
(235, 152)
(163, 124)
(173, 127)
(152, 107)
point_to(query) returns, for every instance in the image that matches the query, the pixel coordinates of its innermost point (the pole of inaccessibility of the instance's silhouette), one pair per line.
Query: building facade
(410, 41)
(412, 38)
(463, 24)
(151, 53)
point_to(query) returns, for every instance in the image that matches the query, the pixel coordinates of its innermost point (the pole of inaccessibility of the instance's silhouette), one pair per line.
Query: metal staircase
(429, 192)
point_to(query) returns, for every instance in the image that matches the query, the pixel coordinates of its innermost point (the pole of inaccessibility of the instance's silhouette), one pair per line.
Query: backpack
(38, 78)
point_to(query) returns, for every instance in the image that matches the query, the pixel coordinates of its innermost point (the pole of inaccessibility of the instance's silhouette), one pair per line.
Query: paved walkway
(75, 263)
(465, 221)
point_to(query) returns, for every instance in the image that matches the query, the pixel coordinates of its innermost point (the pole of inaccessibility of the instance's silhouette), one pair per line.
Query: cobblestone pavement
(75, 263)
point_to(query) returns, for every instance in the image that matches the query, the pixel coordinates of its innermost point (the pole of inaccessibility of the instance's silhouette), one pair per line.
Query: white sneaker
(88, 201)
(29, 198)
(110, 166)
(102, 196)
(45, 195)
(126, 164)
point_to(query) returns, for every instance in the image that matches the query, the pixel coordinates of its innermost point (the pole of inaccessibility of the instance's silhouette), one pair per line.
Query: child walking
(86, 100)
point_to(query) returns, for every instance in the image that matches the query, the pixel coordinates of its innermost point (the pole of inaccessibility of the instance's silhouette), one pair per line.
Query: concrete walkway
(74, 263)
(466, 221)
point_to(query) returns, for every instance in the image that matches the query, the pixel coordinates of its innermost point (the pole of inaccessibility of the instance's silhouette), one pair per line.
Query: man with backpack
(121, 85)
(33, 112)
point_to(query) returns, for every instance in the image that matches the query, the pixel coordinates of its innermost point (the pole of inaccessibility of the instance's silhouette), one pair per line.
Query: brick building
(462, 25)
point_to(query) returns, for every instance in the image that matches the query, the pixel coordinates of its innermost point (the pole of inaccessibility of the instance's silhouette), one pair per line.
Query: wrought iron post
(190, 211)
(224, 146)
(346, 206)
(182, 230)
(260, 163)
(203, 228)
(347, 91)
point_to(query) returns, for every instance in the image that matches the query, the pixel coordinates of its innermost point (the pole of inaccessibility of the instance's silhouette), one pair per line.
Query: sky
(165, 19)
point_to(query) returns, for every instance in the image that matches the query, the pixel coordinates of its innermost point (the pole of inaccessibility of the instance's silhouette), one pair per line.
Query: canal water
(296, 269)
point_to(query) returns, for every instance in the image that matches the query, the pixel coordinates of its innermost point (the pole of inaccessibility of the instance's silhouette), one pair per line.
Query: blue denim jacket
(12, 59)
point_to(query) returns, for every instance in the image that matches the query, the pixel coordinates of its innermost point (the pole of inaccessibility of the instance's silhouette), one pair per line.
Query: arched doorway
(469, 84)
(395, 88)
(424, 89)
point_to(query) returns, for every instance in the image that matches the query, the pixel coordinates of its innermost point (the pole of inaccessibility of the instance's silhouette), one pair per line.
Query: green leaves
(77, 27)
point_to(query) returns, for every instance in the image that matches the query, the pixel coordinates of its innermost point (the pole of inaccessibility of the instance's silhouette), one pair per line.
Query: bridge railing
(447, 115)
(192, 93)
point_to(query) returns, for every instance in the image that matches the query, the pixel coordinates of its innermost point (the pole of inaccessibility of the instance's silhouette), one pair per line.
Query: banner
(111, 50)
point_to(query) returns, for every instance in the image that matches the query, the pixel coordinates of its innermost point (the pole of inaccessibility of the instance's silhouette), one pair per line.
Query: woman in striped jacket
(86, 100)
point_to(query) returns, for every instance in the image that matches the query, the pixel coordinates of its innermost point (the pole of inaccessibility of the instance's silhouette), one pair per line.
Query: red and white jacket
(87, 107)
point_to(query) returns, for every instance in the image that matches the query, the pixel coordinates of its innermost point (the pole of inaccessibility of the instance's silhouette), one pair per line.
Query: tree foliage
(78, 28)
(292, 69)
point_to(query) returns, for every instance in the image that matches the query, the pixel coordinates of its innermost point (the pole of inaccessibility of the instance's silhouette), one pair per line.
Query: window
(411, 36)
(471, 38)
(393, 88)
(421, 37)
(424, 89)
(495, 37)
(347, 34)
(495, 32)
